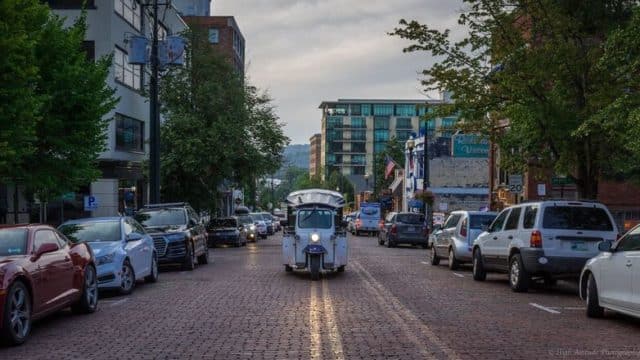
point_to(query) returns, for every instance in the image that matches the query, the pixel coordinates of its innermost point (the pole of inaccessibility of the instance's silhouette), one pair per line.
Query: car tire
(314, 267)
(190, 259)
(519, 278)
(594, 310)
(389, 243)
(453, 262)
(153, 276)
(128, 282)
(479, 273)
(341, 268)
(18, 300)
(88, 302)
(380, 242)
(424, 246)
(288, 268)
(204, 258)
(435, 259)
(357, 233)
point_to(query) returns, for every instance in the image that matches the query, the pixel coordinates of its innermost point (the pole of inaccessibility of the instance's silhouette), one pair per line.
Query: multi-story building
(224, 35)
(122, 184)
(353, 130)
(315, 154)
(192, 7)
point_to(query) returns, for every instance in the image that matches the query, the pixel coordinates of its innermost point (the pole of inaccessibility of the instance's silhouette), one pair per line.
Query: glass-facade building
(353, 130)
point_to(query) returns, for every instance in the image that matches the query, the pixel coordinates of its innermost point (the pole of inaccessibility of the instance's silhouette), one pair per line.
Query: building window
(335, 147)
(71, 4)
(358, 122)
(403, 136)
(125, 73)
(383, 109)
(342, 109)
(331, 159)
(358, 135)
(130, 11)
(333, 135)
(89, 48)
(381, 122)
(358, 170)
(381, 135)
(405, 110)
(358, 159)
(356, 109)
(379, 147)
(359, 147)
(214, 35)
(334, 122)
(365, 110)
(238, 46)
(403, 123)
(129, 134)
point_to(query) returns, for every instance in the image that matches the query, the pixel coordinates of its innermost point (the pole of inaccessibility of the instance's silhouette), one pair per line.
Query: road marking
(404, 318)
(314, 323)
(458, 275)
(574, 308)
(119, 302)
(547, 309)
(424, 262)
(332, 327)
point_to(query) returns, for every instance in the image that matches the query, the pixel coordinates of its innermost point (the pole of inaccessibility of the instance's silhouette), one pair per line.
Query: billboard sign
(470, 146)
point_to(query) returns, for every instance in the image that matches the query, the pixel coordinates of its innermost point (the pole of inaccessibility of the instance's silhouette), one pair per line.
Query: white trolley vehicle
(315, 238)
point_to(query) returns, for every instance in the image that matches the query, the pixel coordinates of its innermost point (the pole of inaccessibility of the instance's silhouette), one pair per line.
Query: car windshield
(579, 218)
(370, 211)
(162, 217)
(13, 242)
(266, 217)
(314, 219)
(228, 222)
(410, 218)
(245, 220)
(478, 221)
(92, 231)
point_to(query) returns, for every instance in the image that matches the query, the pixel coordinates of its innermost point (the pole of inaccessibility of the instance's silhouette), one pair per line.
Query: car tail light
(394, 229)
(536, 239)
(463, 230)
(358, 223)
(381, 224)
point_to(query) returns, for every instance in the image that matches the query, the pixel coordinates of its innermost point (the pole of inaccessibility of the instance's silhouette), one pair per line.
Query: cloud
(307, 51)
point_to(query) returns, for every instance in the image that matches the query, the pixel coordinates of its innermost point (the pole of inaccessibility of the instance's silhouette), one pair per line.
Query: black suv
(178, 234)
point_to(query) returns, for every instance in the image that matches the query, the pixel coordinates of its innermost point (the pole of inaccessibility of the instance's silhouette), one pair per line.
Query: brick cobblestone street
(388, 304)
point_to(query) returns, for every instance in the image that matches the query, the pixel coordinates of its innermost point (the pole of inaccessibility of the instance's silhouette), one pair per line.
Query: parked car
(249, 231)
(268, 220)
(351, 223)
(368, 219)
(261, 225)
(546, 239)
(610, 279)
(123, 250)
(276, 223)
(403, 228)
(178, 234)
(226, 231)
(454, 240)
(27, 252)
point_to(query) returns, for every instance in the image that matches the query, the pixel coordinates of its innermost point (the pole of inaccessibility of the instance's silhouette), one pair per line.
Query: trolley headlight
(315, 237)
(252, 228)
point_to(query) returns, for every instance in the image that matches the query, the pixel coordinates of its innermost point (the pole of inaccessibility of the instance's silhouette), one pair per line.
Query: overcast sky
(307, 51)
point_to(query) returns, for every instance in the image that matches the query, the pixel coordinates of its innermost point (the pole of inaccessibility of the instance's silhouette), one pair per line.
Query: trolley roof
(316, 197)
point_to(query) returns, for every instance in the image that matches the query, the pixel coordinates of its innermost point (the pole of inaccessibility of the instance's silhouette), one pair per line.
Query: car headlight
(175, 237)
(105, 259)
(315, 237)
(252, 227)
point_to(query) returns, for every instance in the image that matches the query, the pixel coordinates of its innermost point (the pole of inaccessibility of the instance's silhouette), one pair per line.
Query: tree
(71, 131)
(217, 129)
(537, 64)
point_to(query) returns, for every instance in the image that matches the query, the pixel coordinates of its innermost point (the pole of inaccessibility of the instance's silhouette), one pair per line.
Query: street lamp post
(154, 125)
(425, 180)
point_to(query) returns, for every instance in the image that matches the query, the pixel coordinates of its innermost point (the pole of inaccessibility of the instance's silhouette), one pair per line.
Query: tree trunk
(16, 203)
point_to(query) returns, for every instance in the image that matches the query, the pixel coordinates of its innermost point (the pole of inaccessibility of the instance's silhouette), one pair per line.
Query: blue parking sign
(90, 203)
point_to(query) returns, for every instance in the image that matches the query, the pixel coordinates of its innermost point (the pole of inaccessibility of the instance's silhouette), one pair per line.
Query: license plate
(411, 229)
(579, 246)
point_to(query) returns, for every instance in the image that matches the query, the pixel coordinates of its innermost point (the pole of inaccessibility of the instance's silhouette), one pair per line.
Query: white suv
(546, 239)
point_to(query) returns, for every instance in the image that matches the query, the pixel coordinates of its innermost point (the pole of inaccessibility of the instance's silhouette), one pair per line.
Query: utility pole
(154, 124)
(425, 181)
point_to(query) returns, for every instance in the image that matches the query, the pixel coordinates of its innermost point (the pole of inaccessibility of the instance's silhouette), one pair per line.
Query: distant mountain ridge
(297, 155)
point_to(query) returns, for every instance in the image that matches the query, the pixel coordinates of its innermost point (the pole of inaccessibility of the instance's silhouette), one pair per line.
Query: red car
(41, 272)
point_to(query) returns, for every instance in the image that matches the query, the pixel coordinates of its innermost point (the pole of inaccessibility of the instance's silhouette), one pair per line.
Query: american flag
(390, 164)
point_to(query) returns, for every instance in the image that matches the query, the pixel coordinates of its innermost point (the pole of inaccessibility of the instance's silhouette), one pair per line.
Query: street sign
(515, 183)
(90, 203)
(561, 180)
(70, 196)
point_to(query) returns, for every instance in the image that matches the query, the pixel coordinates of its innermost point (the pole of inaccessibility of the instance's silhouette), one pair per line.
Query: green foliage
(395, 150)
(21, 23)
(71, 134)
(217, 129)
(542, 66)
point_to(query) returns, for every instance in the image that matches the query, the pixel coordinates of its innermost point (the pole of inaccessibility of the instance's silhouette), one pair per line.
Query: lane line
(458, 275)
(574, 308)
(547, 309)
(116, 303)
(334, 334)
(424, 262)
(314, 324)
(412, 327)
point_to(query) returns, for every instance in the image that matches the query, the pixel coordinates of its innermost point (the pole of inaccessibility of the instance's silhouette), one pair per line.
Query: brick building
(315, 154)
(224, 35)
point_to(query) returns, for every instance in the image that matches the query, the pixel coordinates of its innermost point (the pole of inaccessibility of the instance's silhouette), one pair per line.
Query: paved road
(389, 304)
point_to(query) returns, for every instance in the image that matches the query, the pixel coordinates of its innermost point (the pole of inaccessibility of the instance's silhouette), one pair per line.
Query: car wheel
(479, 273)
(453, 262)
(190, 259)
(435, 259)
(314, 267)
(518, 276)
(16, 319)
(288, 268)
(88, 301)
(128, 278)
(380, 242)
(594, 310)
(357, 233)
(204, 258)
(153, 276)
(389, 243)
(341, 268)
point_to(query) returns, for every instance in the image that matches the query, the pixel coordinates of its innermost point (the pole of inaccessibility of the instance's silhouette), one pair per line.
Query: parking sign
(90, 203)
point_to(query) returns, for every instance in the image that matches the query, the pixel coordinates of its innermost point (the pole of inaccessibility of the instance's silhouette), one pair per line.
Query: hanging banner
(469, 146)
(138, 50)
(175, 50)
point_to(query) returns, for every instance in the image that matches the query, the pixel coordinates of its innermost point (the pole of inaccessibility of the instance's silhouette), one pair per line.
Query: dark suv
(178, 234)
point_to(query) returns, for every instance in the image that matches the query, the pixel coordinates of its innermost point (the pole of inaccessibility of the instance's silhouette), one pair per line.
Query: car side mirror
(485, 227)
(43, 249)
(605, 246)
(437, 227)
(134, 236)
